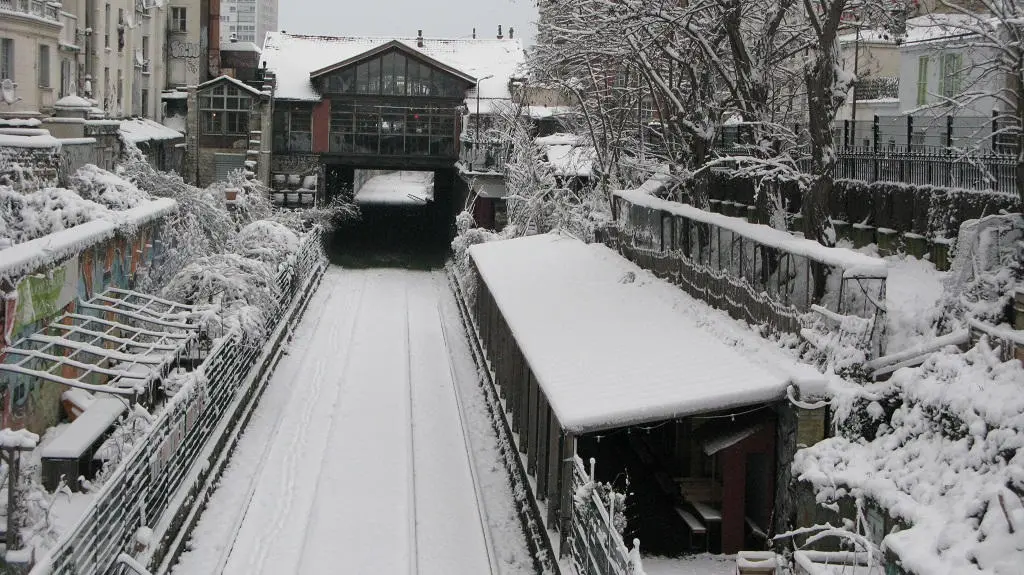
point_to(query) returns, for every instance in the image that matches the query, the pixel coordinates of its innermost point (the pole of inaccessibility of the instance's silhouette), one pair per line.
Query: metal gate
(225, 163)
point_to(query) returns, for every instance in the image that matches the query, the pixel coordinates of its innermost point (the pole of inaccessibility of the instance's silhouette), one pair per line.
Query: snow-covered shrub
(242, 288)
(989, 263)
(945, 459)
(25, 217)
(269, 242)
(96, 184)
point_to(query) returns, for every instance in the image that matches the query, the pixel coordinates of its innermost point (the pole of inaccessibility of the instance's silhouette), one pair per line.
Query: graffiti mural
(189, 52)
(34, 301)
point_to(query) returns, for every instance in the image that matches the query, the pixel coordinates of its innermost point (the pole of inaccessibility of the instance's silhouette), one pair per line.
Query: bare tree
(992, 32)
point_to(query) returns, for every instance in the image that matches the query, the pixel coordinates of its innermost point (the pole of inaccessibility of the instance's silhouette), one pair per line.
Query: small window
(106, 25)
(44, 66)
(145, 103)
(224, 110)
(6, 59)
(951, 73)
(922, 80)
(179, 19)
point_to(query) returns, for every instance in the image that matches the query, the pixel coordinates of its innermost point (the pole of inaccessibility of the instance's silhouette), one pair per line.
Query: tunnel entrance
(408, 216)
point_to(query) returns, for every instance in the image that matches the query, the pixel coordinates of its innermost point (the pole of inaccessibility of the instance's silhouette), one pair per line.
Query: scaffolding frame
(128, 338)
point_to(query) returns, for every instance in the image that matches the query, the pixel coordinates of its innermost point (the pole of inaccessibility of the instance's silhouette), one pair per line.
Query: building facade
(322, 108)
(32, 48)
(248, 20)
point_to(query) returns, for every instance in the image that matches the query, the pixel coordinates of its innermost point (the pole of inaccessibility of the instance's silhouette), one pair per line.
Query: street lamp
(476, 138)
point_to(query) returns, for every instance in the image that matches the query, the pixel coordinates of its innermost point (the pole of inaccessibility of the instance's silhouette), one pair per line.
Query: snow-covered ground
(398, 188)
(357, 459)
(703, 564)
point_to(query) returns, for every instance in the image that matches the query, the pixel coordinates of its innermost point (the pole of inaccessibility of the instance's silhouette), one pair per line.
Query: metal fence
(969, 152)
(595, 545)
(157, 475)
(752, 280)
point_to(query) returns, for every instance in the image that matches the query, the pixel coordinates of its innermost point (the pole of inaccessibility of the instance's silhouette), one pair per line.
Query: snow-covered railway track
(362, 461)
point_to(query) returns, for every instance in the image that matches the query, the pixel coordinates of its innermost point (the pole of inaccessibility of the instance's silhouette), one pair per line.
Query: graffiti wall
(41, 298)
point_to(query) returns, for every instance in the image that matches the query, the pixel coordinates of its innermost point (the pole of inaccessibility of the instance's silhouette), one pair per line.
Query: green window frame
(922, 80)
(950, 73)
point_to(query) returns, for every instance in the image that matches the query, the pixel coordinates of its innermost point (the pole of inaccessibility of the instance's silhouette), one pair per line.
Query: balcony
(45, 10)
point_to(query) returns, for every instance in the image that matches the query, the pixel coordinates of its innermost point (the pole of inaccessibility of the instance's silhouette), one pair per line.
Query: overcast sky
(437, 18)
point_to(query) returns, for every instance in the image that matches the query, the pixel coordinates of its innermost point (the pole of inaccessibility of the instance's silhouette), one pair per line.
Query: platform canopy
(118, 342)
(610, 345)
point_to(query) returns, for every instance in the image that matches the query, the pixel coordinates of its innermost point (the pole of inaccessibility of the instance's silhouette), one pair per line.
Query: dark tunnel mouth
(409, 236)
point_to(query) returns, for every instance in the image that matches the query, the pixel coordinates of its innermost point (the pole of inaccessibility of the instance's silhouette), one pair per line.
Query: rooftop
(611, 345)
(292, 57)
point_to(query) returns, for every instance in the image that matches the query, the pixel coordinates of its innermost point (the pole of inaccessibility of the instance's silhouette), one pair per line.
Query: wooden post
(565, 483)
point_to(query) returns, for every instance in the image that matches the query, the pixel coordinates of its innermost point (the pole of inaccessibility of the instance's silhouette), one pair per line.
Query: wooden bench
(697, 529)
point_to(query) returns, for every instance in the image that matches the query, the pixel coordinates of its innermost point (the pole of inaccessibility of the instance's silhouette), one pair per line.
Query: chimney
(419, 38)
(499, 32)
(474, 33)
(511, 31)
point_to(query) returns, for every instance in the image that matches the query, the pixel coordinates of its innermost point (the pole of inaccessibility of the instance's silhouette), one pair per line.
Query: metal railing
(156, 476)
(745, 274)
(595, 545)
(38, 8)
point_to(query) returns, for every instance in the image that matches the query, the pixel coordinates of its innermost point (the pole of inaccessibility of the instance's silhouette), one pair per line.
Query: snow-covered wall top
(610, 345)
(25, 258)
(292, 57)
(853, 264)
(137, 130)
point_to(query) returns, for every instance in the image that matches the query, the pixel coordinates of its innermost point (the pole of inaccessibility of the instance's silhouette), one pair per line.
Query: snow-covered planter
(269, 242)
(244, 290)
(25, 217)
(113, 191)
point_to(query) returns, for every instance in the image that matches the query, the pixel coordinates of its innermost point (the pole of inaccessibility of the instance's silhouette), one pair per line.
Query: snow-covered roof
(571, 160)
(239, 47)
(611, 345)
(927, 28)
(853, 264)
(398, 188)
(292, 57)
(143, 130)
(225, 78)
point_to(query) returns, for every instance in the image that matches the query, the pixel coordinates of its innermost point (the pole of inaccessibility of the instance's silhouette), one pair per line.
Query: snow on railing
(756, 273)
(156, 478)
(594, 544)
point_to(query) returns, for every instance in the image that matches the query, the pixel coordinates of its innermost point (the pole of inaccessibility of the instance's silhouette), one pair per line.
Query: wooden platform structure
(583, 344)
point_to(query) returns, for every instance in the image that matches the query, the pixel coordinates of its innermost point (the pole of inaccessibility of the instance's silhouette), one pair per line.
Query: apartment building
(33, 45)
(248, 20)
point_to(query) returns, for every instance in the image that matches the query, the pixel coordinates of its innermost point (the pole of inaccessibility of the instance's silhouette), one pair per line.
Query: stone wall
(29, 169)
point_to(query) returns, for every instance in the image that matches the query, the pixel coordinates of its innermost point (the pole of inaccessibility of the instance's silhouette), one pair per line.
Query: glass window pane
(374, 74)
(362, 79)
(387, 74)
(348, 78)
(400, 74)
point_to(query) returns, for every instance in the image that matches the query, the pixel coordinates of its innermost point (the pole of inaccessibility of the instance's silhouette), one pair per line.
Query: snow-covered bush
(989, 263)
(96, 184)
(944, 459)
(243, 290)
(25, 217)
(269, 242)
